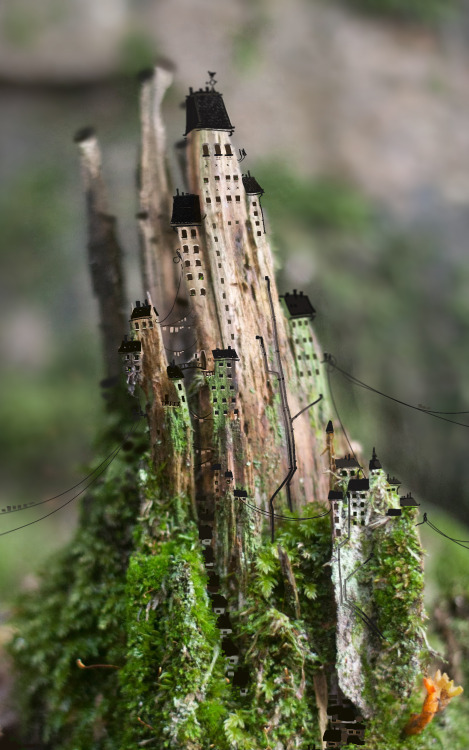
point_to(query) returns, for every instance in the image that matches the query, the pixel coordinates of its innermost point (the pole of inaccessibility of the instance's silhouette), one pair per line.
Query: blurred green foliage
(426, 11)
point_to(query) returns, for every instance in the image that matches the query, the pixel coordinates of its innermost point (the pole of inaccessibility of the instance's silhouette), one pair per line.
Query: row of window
(190, 277)
(144, 324)
(217, 147)
(197, 262)
(228, 177)
(218, 199)
(185, 248)
(184, 233)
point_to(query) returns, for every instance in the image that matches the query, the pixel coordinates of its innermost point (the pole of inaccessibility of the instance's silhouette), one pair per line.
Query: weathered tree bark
(221, 638)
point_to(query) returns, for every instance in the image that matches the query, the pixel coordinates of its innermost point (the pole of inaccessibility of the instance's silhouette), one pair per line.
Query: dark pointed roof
(186, 210)
(142, 311)
(130, 346)
(251, 185)
(330, 427)
(205, 109)
(374, 462)
(174, 372)
(298, 305)
(358, 485)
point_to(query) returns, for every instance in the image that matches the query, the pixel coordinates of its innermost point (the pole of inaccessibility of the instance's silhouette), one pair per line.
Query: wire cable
(31, 523)
(460, 542)
(307, 407)
(340, 421)
(65, 492)
(180, 351)
(277, 515)
(175, 299)
(360, 383)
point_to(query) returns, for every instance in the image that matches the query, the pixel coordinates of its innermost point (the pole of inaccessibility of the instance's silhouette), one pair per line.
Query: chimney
(137, 304)
(191, 90)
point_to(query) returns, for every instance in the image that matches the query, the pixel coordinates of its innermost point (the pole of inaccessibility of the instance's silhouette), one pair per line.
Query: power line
(285, 518)
(360, 383)
(338, 417)
(31, 523)
(175, 299)
(460, 542)
(65, 492)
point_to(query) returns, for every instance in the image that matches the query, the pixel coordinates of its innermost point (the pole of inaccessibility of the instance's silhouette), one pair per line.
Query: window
(196, 249)
(218, 252)
(137, 326)
(185, 248)
(226, 308)
(222, 281)
(127, 356)
(217, 149)
(224, 297)
(256, 213)
(219, 265)
(257, 223)
(144, 325)
(183, 234)
(228, 149)
(237, 201)
(208, 200)
(259, 234)
(187, 263)
(215, 239)
(192, 292)
(217, 177)
(214, 226)
(205, 150)
(235, 177)
(198, 262)
(232, 336)
(189, 277)
(254, 203)
(229, 321)
(202, 291)
(218, 199)
(228, 197)
(229, 223)
(150, 324)
(193, 233)
(201, 277)
(205, 179)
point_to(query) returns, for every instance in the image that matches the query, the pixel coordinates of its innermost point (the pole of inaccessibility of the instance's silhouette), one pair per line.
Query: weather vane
(212, 80)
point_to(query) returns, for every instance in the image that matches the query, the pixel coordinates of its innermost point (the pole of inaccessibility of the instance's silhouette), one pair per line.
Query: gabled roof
(142, 311)
(206, 110)
(251, 185)
(347, 462)
(408, 501)
(298, 305)
(130, 346)
(358, 485)
(335, 495)
(224, 353)
(393, 481)
(186, 210)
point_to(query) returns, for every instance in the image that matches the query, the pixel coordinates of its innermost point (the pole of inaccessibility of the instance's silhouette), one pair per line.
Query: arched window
(183, 234)
(193, 233)
(198, 262)
(196, 248)
(201, 277)
(192, 292)
(185, 248)
(189, 277)
(205, 150)
(202, 291)
(217, 149)
(228, 149)
(187, 263)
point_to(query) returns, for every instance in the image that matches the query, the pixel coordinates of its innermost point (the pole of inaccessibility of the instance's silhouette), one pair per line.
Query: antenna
(212, 80)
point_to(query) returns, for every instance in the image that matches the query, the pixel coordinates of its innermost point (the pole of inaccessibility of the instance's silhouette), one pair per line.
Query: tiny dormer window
(205, 150)
(183, 233)
(217, 149)
(228, 149)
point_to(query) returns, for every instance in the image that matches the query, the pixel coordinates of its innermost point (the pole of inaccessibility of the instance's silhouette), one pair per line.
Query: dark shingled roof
(224, 353)
(358, 485)
(216, 467)
(142, 311)
(186, 210)
(206, 109)
(332, 735)
(240, 493)
(251, 185)
(298, 305)
(393, 480)
(394, 512)
(130, 346)
(174, 372)
(408, 501)
(335, 495)
(347, 462)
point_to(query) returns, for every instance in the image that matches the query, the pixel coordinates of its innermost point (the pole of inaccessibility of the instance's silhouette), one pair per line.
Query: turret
(374, 464)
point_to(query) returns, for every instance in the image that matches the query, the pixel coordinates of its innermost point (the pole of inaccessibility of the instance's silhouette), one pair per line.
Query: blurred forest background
(355, 118)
